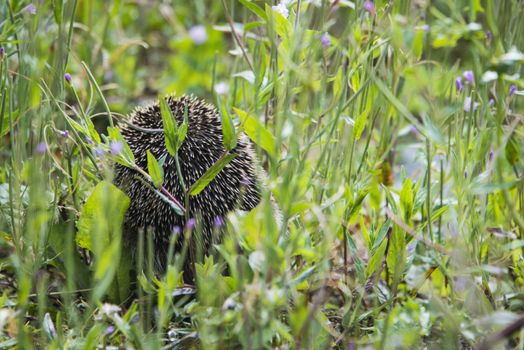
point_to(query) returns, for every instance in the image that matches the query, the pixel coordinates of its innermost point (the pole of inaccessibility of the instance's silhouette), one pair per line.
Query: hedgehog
(236, 187)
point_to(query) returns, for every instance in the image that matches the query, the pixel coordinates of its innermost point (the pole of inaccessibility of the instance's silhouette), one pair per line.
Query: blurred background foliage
(391, 133)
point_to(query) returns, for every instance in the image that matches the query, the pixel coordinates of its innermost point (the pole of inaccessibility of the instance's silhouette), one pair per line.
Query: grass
(391, 133)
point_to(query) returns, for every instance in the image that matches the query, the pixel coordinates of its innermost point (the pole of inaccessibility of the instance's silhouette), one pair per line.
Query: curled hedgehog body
(235, 187)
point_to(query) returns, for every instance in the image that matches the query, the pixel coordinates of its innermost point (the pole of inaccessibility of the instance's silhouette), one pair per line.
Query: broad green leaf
(339, 82)
(228, 129)
(75, 125)
(4, 117)
(169, 124)
(182, 130)
(177, 207)
(355, 81)
(381, 234)
(446, 40)
(376, 259)
(94, 218)
(355, 206)
(437, 213)
(154, 170)
(304, 275)
(126, 156)
(92, 131)
(359, 266)
(434, 216)
(512, 150)
(396, 258)
(173, 205)
(477, 7)
(252, 25)
(210, 174)
(282, 329)
(257, 132)
(99, 230)
(281, 25)
(261, 75)
(364, 231)
(106, 267)
(432, 130)
(59, 247)
(57, 10)
(264, 94)
(418, 43)
(360, 123)
(255, 9)
(406, 199)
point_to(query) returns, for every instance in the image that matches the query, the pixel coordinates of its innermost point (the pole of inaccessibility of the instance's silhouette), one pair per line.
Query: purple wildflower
(325, 40)
(369, 6)
(491, 102)
(89, 140)
(65, 134)
(512, 89)
(31, 9)
(469, 76)
(191, 223)
(176, 230)
(2, 52)
(198, 34)
(116, 147)
(488, 36)
(458, 84)
(491, 153)
(465, 174)
(67, 77)
(468, 105)
(460, 284)
(222, 88)
(109, 330)
(41, 148)
(99, 151)
(218, 222)
(413, 129)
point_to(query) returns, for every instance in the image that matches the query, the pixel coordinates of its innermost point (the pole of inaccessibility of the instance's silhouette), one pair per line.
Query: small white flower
(49, 326)
(108, 310)
(282, 9)
(230, 304)
(256, 260)
(198, 34)
(287, 130)
(274, 294)
(6, 316)
(222, 88)
(467, 105)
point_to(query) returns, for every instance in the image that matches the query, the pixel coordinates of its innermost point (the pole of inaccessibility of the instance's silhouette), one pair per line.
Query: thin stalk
(237, 38)
(100, 94)
(428, 189)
